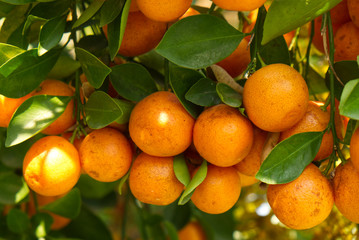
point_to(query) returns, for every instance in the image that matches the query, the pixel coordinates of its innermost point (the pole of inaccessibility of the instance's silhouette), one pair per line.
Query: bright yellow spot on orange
(163, 118)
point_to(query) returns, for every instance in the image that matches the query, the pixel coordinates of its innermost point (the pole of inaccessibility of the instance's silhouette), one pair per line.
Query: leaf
(95, 70)
(68, 206)
(179, 215)
(8, 51)
(122, 182)
(228, 95)
(89, 13)
(24, 73)
(195, 182)
(349, 100)
(181, 170)
(34, 115)
(203, 93)
(13, 188)
(286, 15)
(64, 67)
(349, 132)
(48, 10)
(126, 108)
(13, 21)
(288, 159)
(315, 82)
(171, 230)
(132, 81)
(18, 2)
(211, 40)
(41, 223)
(5, 9)
(110, 10)
(17, 221)
(90, 188)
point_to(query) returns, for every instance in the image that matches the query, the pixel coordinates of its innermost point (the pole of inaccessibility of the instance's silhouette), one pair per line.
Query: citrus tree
(144, 119)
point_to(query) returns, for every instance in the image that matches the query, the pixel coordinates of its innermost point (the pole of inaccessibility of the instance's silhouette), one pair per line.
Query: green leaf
(18, 2)
(90, 188)
(110, 10)
(95, 70)
(126, 108)
(171, 230)
(228, 95)
(41, 224)
(285, 16)
(13, 188)
(179, 215)
(181, 170)
(196, 180)
(68, 206)
(17, 221)
(64, 67)
(13, 21)
(5, 9)
(349, 100)
(211, 40)
(132, 81)
(24, 73)
(34, 115)
(8, 51)
(288, 159)
(122, 182)
(203, 93)
(48, 10)
(89, 12)
(316, 83)
(350, 130)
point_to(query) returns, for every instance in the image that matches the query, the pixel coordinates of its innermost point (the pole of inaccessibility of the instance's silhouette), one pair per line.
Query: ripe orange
(222, 135)
(340, 13)
(153, 181)
(160, 126)
(346, 42)
(163, 10)
(219, 191)
(354, 149)
(133, 6)
(275, 97)
(66, 120)
(192, 231)
(303, 203)
(353, 6)
(239, 5)
(8, 107)
(346, 191)
(105, 155)
(247, 180)
(318, 38)
(51, 166)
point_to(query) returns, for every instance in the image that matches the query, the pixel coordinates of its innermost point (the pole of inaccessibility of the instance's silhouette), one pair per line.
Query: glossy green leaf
(228, 95)
(179, 215)
(211, 40)
(171, 230)
(126, 108)
(110, 10)
(41, 223)
(288, 159)
(181, 170)
(14, 21)
(286, 15)
(95, 70)
(64, 67)
(132, 81)
(34, 115)
(5, 9)
(89, 12)
(203, 93)
(316, 83)
(68, 206)
(350, 130)
(17, 221)
(122, 182)
(18, 2)
(13, 188)
(31, 19)
(51, 9)
(349, 100)
(8, 51)
(90, 188)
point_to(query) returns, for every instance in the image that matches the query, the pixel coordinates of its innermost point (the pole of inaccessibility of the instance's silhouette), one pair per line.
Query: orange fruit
(51, 166)
(190, 12)
(219, 191)
(314, 120)
(346, 42)
(275, 97)
(238, 61)
(354, 148)
(340, 13)
(247, 180)
(353, 6)
(192, 231)
(303, 203)
(222, 135)
(8, 107)
(133, 6)
(163, 10)
(77, 140)
(239, 5)
(66, 120)
(153, 181)
(346, 191)
(105, 155)
(318, 38)
(160, 126)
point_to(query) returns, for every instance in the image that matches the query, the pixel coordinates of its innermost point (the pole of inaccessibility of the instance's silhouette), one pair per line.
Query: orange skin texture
(340, 13)
(193, 231)
(133, 6)
(238, 61)
(219, 191)
(189, 12)
(239, 5)
(163, 10)
(222, 135)
(106, 155)
(346, 42)
(160, 126)
(275, 97)
(153, 181)
(314, 120)
(51, 166)
(304, 202)
(247, 180)
(346, 191)
(353, 6)
(66, 120)
(354, 149)
(318, 38)
(252, 162)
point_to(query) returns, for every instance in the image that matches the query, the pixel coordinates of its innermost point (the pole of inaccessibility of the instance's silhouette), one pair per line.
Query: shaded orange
(247, 180)
(318, 38)
(346, 42)
(133, 6)
(354, 148)
(340, 13)
(192, 231)
(239, 5)
(353, 6)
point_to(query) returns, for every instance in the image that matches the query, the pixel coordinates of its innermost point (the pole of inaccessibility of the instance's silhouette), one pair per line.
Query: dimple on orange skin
(51, 166)
(160, 126)
(239, 5)
(106, 155)
(303, 203)
(353, 6)
(8, 107)
(153, 181)
(354, 149)
(192, 231)
(222, 135)
(346, 42)
(275, 97)
(219, 191)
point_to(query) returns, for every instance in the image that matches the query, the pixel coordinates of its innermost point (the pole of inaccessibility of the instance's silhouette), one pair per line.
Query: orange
(303, 203)
(8, 107)
(66, 120)
(219, 191)
(222, 135)
(153, 181)
(51, 166)
(192, 231)
(346, 191)
(247, 180)
(354, 148)
(346, 42)
(314, 120)
(163, 10)
(105, 155)
(238, 61)
(353, 6)
(239, 5)
(190, 12)
(318, 38)
(275, 97)
(160, 126)
(340, 13)
(77, 140)
(133, 6)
